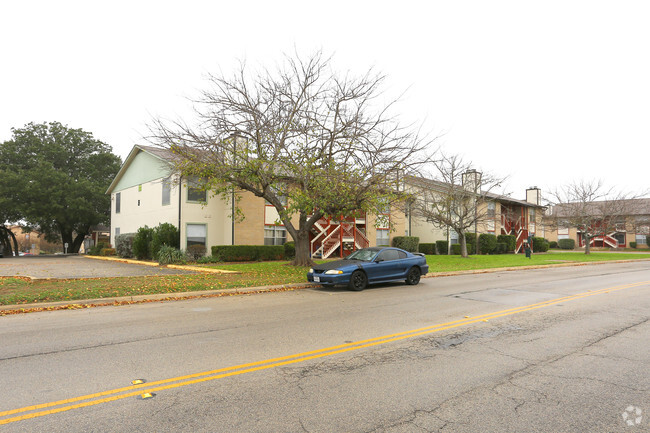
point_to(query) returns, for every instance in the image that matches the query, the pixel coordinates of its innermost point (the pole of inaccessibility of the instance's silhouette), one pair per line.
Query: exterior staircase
(330, 237)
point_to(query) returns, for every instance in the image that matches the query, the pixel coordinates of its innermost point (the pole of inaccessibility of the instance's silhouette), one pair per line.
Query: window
(117, 231)
(620, 238)
(383, 238)
(559, 236)
(491, 226)
(118, 202)
(195, 193)
(491, 209)
(196, 234)
(389, 255)
(641, 239)
(453, 237)
(275, 235)
(280, 194)
(166, 191)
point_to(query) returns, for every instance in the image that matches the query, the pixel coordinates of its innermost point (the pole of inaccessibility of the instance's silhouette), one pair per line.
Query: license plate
(316, 279)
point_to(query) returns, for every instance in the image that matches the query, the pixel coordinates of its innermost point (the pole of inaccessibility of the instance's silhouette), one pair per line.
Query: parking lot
(73, 266)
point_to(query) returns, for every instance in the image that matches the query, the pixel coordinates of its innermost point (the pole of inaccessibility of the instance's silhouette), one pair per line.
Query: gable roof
(441, 186)
(627, 207)
(164, 155)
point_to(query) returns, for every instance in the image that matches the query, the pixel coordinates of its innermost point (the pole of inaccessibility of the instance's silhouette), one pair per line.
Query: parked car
(370, 265)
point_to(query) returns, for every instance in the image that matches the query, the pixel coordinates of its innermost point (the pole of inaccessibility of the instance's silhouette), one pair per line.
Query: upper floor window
(166, 191)
(491, 209)
(196, 193)
(118, 202)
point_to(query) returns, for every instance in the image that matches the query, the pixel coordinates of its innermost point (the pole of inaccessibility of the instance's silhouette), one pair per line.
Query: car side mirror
(379, 260)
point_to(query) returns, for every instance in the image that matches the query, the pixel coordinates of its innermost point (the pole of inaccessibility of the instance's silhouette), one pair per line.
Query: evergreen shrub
(487, 243)
(428, 249)
(289, 250)
(442, 247)
(509, 240)
(142, 243)
(248, 253)
(408, 243)
(124, 245)
(164, 234)
(540, 245)
(566, 244)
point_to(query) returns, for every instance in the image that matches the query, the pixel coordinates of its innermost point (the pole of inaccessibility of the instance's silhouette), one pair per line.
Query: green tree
(55, 179)
(311, 142)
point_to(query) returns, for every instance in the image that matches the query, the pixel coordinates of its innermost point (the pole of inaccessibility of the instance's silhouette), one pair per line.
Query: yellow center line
(121, 393)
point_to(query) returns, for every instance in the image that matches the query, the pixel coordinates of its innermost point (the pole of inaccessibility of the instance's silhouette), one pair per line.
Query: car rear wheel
(413, 277)
(358, 281)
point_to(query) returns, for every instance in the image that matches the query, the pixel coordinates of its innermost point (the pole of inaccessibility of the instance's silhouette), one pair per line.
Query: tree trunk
(5, 243)
(587, 240)
(303, 253)
(11, 234)
(463, 245)
(66, 238)
(76, 244)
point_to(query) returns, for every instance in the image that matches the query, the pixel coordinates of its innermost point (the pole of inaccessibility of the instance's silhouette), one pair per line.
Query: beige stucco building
(146, 192)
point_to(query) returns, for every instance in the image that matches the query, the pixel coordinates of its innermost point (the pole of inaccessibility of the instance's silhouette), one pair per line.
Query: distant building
(631, 225)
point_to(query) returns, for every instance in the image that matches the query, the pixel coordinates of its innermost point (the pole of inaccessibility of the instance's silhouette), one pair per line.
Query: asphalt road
(553, 350)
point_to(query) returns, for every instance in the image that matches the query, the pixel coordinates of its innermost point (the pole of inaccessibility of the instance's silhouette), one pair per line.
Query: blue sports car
(371, 265)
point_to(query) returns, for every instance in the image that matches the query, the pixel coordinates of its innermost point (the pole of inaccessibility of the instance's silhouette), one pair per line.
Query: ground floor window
(383, 238)
(620, 238)
(641, 239)
(196, 234)
(275, 235)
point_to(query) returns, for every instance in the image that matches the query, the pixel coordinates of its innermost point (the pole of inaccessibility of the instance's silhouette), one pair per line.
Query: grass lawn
(19, 291)
(457, 263)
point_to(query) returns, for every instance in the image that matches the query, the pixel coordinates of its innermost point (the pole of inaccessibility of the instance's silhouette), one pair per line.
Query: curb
(180, 267)
(142, 299)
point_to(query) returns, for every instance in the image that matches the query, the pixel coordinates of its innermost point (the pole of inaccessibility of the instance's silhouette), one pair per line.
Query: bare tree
(455, 198)
(311, 142)
(592, 208)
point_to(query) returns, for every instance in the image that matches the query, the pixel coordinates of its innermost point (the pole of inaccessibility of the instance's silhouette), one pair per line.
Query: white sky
(546, 92)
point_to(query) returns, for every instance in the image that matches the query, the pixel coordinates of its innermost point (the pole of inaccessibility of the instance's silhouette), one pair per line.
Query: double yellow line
(35, 411)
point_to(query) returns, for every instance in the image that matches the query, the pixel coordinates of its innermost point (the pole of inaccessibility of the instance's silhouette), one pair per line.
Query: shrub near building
(408, 243)
(248, 253)
(566, 244)
(428, 249)
(487, 243)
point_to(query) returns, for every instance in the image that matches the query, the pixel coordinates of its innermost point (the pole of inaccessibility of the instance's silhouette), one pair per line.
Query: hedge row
(248, 253)
(408, 243)
(566, 244)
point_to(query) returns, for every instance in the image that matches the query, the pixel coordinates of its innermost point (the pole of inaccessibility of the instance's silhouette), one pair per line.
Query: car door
(386, 266)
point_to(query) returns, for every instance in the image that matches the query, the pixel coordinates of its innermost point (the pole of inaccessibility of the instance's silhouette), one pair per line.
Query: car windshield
(365, 255)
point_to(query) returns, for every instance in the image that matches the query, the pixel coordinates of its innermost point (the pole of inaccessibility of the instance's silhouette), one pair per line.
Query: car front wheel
(413, 277)
(358, 281)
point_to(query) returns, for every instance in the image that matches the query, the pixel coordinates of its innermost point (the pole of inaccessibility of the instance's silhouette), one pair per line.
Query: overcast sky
(545, 92)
